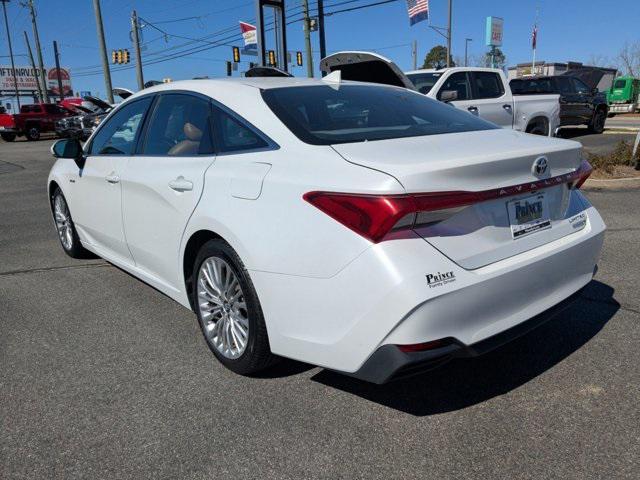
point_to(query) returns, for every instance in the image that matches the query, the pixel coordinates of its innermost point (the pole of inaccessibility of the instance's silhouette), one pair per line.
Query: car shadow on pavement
(466, 382)
(572, 132)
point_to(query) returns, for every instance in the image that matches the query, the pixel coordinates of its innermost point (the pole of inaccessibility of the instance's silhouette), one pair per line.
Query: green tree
(437, 58)
(499, 61)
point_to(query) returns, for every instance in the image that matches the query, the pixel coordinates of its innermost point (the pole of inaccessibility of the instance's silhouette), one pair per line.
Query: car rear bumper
(389, 362)
(383, 299)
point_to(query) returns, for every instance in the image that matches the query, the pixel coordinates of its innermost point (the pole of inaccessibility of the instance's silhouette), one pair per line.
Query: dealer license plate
(528, 215)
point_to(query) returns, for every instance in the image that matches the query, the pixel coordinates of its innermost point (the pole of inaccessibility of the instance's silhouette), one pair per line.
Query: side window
(180, 126)
(232, 135)
(118, 135)
(458, 82)
(488, 85)
(580, 86)
(564, 86)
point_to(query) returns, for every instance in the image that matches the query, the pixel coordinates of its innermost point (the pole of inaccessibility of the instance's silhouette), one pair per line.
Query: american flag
(418, 10)
(534, 37)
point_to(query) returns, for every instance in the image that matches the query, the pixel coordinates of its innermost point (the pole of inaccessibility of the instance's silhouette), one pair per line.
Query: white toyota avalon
(363, 228)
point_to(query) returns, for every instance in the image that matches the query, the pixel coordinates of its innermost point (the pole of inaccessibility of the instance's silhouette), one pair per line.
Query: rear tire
(33, 133)
(8, 137)
(597, 122)
(229, 311)
(65, 227)
(537, 128)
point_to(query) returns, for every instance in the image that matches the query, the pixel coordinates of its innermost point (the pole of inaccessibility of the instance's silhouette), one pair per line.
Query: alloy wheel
(222, 307)
(63, 221)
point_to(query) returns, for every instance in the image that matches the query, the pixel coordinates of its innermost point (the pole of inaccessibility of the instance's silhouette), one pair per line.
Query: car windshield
(326, 115)
(424, 82)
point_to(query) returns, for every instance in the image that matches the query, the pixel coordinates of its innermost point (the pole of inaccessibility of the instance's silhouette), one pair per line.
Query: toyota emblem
(539, 166)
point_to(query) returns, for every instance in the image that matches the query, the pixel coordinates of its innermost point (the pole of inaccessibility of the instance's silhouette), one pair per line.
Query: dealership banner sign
(27, 82)
(494, 31)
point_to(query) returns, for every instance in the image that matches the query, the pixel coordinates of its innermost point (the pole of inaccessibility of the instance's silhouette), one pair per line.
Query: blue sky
(568, 30)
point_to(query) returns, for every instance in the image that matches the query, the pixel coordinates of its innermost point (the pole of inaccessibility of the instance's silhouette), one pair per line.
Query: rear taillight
(374, 216)
(584, 171)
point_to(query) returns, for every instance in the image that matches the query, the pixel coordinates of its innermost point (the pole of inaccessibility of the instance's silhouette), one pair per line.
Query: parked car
(624, 95)
(579, 103)
(364, 228)
(32, 121)
(481, 91)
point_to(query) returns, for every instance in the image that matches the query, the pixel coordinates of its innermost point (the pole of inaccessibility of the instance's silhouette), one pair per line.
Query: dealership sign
(495, 28)
(27, 83)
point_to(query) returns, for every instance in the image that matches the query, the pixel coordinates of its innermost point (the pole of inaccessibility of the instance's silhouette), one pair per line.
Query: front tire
(8, 137)
(67, 233)
(229, 311)
(597, 122)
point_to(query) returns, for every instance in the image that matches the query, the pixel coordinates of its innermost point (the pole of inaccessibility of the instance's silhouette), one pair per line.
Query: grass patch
(608, 164)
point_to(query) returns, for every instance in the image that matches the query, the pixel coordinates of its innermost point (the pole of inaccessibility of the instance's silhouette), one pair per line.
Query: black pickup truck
(579, 103)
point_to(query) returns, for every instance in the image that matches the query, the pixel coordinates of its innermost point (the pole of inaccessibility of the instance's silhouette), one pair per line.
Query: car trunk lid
(501, 180)
(366, 67)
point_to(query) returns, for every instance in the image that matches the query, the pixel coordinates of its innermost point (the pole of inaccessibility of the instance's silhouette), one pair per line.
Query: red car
(32, 121)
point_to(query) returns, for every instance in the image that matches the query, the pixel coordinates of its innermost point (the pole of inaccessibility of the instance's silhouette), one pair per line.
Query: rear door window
(488, 85)
(235, 135)
(180, 126)
(580, 86)
(564, 86)
(458, 82)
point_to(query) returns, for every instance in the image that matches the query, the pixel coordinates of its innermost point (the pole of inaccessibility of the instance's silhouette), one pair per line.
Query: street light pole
(449, 34)
(466, 51)
(13, 65)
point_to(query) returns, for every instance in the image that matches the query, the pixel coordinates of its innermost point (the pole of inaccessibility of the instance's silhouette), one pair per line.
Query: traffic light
(236, 54)
(228, 69)
(299, 58)
(120, 56)
(272, 58)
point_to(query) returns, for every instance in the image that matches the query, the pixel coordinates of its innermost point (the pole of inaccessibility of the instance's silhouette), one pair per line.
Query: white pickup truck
(482, 91)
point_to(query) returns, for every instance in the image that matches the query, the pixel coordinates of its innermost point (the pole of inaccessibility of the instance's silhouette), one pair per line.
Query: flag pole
(535, 42)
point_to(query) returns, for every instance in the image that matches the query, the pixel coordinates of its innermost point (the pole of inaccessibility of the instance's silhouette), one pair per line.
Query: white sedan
(359, 227)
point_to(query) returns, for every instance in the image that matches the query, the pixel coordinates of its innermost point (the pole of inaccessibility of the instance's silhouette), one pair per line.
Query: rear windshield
(424, 82)
(326, 115)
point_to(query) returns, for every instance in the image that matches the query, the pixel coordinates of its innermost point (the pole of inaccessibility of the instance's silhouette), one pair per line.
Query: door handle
(473, 110)
(112, 178)
(507, 107)
(180, 184)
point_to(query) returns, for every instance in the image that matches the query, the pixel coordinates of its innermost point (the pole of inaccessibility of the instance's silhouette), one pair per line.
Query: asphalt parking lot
(101, 376)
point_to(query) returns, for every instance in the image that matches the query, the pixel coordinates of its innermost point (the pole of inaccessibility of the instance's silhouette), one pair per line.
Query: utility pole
(33, 66)
(57, 55)
(323, 44)
(466, 51)
(13, 65)
(449, 35)
(135, 26)
(307, 37)
(103, 50)
(36, 37)
(414, 54)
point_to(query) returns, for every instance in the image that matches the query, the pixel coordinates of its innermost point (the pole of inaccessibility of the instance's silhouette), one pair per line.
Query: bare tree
(598, 60)
(629, 58)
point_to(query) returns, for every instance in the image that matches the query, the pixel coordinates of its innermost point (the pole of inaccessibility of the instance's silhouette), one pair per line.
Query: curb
(611, 183)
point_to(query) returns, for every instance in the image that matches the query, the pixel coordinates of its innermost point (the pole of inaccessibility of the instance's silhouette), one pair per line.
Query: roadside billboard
(495, 29)
(27, 83)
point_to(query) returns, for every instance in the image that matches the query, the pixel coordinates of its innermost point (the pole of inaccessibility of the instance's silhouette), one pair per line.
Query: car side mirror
(448, 96)
(595, 91)
(69, 148)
